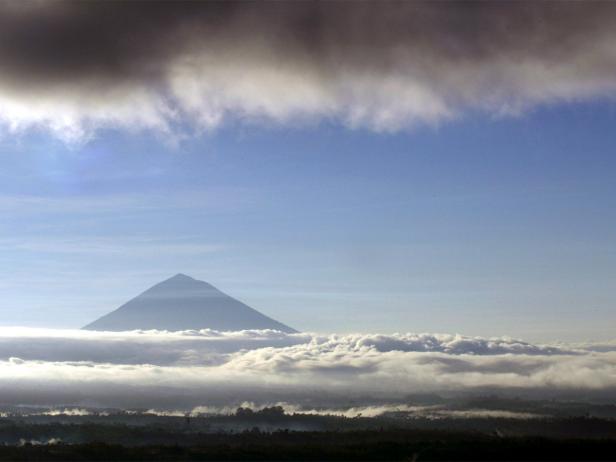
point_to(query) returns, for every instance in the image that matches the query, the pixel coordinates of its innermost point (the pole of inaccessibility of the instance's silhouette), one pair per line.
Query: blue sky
(481, 225)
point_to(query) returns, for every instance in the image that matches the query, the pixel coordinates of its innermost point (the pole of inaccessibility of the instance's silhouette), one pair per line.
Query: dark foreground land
(393, 445)
(563, 432)
(171, 440)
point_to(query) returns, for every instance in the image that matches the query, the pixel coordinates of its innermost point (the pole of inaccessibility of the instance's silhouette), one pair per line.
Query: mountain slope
(182, 303)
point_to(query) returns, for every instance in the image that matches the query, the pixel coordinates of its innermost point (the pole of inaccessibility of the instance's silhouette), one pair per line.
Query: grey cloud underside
(381, 65)
(181, 370)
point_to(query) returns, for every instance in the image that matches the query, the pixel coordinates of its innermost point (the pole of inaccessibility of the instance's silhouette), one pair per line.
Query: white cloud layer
(183, 370)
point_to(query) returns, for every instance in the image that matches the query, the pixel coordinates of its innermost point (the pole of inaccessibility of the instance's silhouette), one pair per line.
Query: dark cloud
(381, 65)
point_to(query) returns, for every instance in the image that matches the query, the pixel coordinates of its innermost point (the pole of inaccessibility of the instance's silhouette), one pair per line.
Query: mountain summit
(182, 303)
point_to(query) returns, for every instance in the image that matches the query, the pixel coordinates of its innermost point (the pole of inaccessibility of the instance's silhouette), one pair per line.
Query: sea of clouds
(187, 369)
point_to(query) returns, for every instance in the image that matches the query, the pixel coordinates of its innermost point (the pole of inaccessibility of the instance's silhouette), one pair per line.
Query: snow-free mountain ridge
(182, 303)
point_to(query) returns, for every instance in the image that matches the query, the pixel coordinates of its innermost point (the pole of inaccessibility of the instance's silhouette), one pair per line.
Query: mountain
(182, 303)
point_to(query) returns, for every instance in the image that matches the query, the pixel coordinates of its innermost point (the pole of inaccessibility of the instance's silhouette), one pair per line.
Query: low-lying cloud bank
(173, 68)
(183, 370)
(208, 347)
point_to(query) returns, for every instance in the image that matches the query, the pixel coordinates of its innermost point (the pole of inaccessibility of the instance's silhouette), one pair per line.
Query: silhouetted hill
(182, 303)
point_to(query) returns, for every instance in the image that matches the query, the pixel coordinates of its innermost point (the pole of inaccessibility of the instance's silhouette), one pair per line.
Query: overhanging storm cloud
(72, 68)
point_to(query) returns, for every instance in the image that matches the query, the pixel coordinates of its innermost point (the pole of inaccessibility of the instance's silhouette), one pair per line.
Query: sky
(334, 168)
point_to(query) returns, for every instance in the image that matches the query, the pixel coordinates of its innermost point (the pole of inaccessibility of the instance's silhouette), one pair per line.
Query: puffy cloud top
(183, 370)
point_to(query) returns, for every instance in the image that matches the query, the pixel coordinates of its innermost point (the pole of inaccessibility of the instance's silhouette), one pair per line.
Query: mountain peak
(184, 303)
(181, 277)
